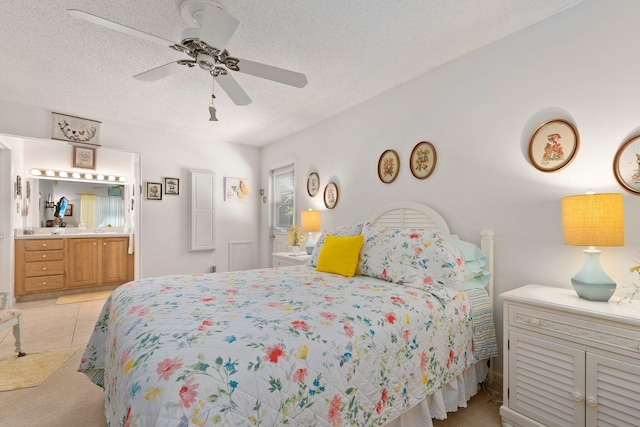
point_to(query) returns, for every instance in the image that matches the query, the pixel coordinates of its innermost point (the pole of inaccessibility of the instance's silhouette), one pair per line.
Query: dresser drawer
(44, 283)
(37, 256)
(46, 268)
(579, 329)
(44, 245)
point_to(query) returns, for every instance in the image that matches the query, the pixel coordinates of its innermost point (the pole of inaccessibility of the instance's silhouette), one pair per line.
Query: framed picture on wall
(626, 165)
(388, 166)
(553, 145)
(84, 157)
(69, 210)
(154, 191)
(331, 195)
(313, 184)
(423, 160)
(172, 186)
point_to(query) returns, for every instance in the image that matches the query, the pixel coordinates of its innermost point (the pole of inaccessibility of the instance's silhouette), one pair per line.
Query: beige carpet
(91, 296)
(32, 369)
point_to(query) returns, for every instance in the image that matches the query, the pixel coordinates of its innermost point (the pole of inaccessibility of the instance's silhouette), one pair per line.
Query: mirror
(104, 203)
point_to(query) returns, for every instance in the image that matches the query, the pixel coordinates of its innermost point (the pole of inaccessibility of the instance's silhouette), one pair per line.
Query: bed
(305, 345)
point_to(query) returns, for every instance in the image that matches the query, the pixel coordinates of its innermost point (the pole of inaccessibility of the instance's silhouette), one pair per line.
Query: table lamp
(593, 220)
(310, 223)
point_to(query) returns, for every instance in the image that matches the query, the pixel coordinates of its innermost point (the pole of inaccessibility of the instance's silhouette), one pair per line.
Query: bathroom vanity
(48, 262)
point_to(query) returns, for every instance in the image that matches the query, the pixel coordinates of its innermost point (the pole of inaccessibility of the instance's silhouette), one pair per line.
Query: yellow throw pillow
(340, 254)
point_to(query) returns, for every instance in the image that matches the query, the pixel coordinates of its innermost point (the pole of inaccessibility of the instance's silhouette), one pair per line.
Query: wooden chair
(11, 318)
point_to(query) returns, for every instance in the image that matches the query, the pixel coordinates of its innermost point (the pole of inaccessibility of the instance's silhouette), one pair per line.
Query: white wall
(479, 112)
(164, 234)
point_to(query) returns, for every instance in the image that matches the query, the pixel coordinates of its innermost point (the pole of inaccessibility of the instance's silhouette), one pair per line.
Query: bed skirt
(455, 394)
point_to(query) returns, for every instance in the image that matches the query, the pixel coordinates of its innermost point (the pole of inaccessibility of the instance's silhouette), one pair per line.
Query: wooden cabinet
(282, 259)
(39, 265)
(569, 361)
(83, 263)
(115, 260)
(45, 265)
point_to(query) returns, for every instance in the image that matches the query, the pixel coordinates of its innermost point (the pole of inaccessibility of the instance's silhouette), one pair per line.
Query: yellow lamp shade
(593, 220)
(310, 221)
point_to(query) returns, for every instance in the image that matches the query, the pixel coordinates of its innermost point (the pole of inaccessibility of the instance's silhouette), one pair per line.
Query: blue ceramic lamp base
(592, 283)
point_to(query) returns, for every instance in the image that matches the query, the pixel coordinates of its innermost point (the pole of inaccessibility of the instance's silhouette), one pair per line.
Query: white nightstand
(281, 259)
(569, 361)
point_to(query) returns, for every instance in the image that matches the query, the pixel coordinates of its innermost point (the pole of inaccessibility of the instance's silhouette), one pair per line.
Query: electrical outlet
(213, 268)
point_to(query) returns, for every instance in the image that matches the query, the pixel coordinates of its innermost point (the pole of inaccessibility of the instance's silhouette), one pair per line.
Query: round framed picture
(553, 145)
(388, 166)
(331, 195)
(313, 184)
(626, 165)
(423, 160)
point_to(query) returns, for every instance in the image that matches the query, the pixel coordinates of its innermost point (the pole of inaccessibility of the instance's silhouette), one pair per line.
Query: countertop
(68, 233)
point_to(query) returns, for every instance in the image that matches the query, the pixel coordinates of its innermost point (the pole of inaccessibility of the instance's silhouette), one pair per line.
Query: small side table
(282, 259)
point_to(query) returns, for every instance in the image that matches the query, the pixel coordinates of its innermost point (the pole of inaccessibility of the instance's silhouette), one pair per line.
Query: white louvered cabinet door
(612, 392)
(546, 381)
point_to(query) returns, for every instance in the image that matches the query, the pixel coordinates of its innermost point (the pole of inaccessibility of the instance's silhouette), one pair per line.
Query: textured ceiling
(350, 51)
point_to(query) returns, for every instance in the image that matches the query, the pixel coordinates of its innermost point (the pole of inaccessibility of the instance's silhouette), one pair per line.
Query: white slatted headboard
(409, 215)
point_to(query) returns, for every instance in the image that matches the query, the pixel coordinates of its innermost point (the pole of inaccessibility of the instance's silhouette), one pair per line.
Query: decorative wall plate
(313, 184)
(423, 160)
(388, 166)
(626, 165)
(331, 195)
(553, 145)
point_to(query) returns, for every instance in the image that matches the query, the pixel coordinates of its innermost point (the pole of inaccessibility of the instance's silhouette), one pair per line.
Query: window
(283, 197)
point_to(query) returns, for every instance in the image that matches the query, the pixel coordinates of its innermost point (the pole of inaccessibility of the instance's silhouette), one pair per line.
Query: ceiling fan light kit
(210, 29)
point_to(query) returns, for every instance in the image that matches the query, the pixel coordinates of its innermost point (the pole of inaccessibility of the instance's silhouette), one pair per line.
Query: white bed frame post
(487, 247)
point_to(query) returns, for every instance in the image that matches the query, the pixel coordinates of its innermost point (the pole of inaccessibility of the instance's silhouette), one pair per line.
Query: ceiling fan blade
(269, 72)
(79, 14)
(233, 89)
(159, 72)
(217, 27)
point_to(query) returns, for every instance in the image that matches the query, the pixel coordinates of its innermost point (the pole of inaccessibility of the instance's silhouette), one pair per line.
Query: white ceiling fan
(205, 44)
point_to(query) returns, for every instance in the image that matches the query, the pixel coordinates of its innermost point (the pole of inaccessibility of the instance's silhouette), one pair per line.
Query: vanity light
(77, 175)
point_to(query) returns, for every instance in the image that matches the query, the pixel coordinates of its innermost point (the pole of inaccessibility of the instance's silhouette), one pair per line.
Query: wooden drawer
(44, 245)
(44, 283)
(37, 256)
(46, 268)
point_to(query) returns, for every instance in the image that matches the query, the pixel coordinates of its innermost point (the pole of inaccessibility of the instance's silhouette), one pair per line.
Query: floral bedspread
(275, 346)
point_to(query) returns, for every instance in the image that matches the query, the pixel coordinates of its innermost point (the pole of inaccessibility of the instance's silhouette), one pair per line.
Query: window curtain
(88, 210)
(109, 211)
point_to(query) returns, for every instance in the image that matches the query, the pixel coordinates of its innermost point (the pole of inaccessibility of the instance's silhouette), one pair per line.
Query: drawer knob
(44, 244)
(44, 283)
(576, 396)
(44, 256)
(44, 268)
(104, 244)
(534, 322)
(592, 401)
